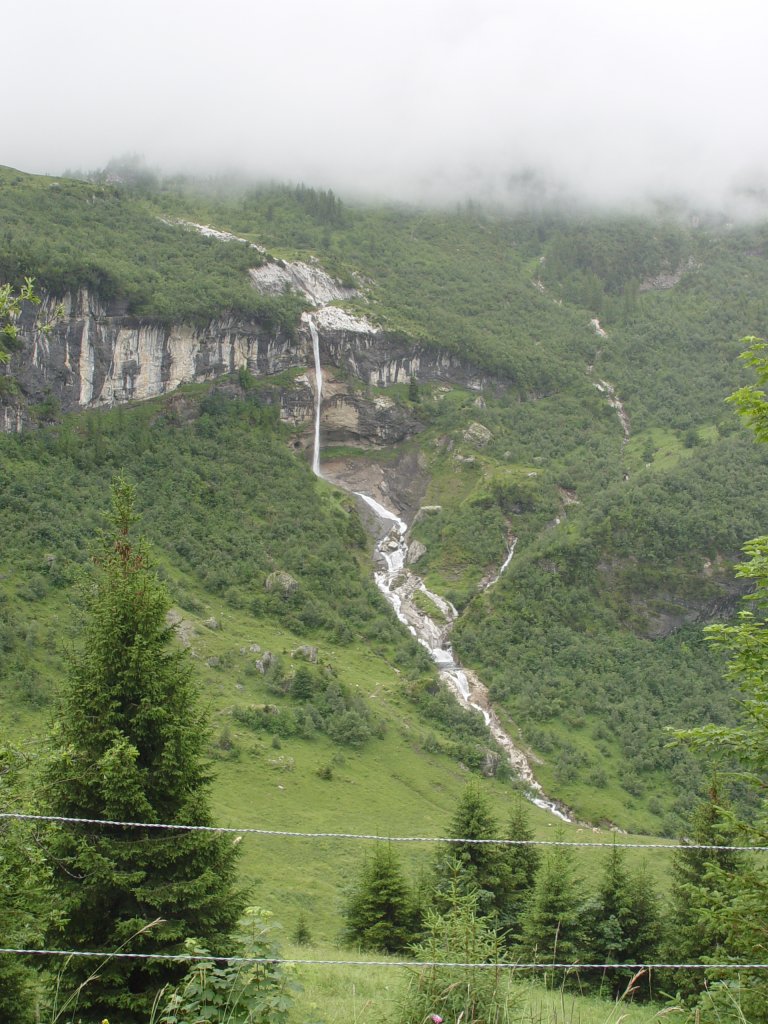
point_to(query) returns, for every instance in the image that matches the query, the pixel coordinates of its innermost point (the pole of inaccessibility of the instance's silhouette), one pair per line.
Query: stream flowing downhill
(607, 389)
(399, 585)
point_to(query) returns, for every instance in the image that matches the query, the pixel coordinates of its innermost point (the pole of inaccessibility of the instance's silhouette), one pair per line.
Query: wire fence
(414, 964)
(248, 830)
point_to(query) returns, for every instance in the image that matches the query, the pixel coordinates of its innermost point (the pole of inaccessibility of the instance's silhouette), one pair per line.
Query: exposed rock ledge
(307, 279)
(99, 355)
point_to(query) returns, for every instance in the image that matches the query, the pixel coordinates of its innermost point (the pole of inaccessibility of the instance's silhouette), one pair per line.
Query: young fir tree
(701, 884)
(522, 864)
(480, 867)
(381, 912)
(553, 926)
(458, 935)
(129, 745)
(624, 923)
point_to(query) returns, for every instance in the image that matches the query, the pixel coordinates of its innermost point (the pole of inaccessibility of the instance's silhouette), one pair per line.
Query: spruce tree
(129, 745)
(522, 864)
(624, 924)
(553, 925)
(474, 866)
(702, 881)
(468, 995)
(381, 913)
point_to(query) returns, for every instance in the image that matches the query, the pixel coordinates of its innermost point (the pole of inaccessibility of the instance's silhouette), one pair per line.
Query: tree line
(540, 909)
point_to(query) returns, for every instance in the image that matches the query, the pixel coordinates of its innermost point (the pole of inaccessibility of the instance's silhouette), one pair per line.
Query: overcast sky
(611, 99)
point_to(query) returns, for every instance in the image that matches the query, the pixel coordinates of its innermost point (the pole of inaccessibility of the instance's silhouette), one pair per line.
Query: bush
(463, 994)
(230, 990)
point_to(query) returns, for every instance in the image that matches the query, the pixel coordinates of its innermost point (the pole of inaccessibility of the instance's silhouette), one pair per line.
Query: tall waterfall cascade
(318, 396)
(399, 584)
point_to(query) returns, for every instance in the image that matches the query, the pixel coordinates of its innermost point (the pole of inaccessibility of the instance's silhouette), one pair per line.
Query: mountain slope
(558, 385)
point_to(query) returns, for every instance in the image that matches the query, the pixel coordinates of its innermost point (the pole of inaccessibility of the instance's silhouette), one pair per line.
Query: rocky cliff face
(99, 355)
(380, 359)
(309, 279)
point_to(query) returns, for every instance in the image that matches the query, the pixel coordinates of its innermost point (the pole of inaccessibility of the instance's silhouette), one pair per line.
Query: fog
(603, 101)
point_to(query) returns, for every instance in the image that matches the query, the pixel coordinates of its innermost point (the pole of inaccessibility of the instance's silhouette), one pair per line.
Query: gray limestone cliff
(98, 355)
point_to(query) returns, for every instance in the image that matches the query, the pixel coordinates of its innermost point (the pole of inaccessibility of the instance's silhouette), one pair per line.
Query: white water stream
(615, 403)
(399, 586)
(318, 396)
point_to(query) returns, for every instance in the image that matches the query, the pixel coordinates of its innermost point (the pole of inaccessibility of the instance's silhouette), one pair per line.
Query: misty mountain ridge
(513, 190)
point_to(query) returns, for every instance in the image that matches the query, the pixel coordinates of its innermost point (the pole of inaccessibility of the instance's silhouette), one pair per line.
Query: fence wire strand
(282, 833)
(415, 964)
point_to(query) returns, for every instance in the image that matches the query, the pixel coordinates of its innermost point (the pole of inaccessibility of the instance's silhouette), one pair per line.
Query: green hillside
(601, 447)
(651, 511)
(225, 503)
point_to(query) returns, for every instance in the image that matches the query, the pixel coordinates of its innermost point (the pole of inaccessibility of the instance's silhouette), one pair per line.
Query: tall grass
(344, 994)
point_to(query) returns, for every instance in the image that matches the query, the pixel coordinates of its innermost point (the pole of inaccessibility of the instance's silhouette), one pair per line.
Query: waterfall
(504, 565)
(318, 395)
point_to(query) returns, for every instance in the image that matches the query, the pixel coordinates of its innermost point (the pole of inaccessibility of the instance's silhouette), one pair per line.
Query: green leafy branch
(11, 305)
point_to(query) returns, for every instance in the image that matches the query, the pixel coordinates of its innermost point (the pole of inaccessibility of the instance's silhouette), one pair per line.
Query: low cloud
(424, 100)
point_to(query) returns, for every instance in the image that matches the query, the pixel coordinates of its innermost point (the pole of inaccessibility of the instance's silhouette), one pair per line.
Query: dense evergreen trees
(129, 745)
(504, 899)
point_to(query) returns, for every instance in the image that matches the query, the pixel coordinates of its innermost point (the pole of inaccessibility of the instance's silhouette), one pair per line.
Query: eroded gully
(399, 585)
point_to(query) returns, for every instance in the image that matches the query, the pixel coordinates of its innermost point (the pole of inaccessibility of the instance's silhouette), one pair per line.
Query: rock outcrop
(380, 359)
(477, 435)
(308, 279)
(281, 582)
(99, 355)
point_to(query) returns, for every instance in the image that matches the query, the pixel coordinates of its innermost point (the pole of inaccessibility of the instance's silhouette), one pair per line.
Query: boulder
(477, 435)
(416, 550)
(281, 581)
(265, 661)
(307, 652)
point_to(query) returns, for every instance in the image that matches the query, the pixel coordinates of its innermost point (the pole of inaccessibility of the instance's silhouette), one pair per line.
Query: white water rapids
(399, 586)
